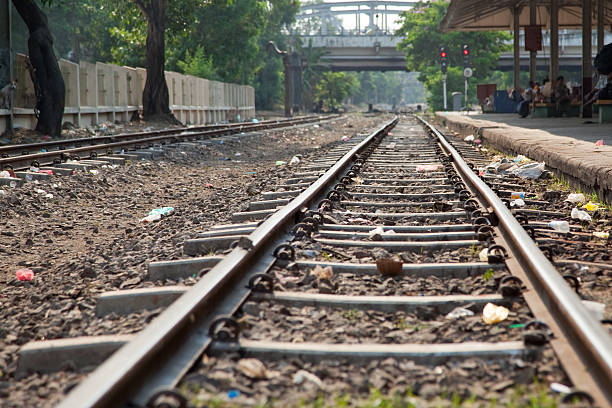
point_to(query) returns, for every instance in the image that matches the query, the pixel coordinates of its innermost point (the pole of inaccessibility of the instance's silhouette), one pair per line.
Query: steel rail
(123, 376)
(47, 158)
(591, 342)
(19, 148)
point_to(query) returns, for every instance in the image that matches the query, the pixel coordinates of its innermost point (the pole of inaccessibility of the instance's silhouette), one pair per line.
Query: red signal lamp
(443, 54)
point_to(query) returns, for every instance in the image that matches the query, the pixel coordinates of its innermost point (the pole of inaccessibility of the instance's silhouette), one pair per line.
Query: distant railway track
(56, 152)
(343, 206)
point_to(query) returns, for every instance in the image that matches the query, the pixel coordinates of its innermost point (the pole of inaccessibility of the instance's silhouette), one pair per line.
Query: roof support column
(600, 24)
(587, 55)
(554, 39)
(517, 47)
(532, 54)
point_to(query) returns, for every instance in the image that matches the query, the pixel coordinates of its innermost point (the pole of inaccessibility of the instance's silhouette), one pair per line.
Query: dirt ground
(81, 235)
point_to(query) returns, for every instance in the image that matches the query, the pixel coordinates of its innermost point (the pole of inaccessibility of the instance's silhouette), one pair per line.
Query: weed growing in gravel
(488, 274)
(352, 315)
(326, 255)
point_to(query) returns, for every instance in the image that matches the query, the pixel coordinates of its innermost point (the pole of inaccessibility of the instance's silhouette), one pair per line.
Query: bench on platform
(547, 110)
(605, 110)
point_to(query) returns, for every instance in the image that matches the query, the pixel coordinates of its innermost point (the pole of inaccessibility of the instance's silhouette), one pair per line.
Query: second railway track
(295, 284)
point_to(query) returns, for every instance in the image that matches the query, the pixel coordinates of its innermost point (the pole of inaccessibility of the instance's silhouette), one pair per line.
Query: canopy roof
(478, 15)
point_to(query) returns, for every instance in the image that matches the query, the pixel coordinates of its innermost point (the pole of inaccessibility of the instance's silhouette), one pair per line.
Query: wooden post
(600, 24)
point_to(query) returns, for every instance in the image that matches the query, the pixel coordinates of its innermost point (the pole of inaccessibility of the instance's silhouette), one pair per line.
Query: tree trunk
(47, 75)
(155, 98)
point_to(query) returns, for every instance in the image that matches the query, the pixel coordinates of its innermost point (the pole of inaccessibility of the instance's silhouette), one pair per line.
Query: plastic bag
(580, 215)
(575, 198)
(492, 314)
(530, 171)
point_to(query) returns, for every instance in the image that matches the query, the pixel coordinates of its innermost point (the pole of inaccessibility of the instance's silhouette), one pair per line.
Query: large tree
(422, 39)
(45, 72)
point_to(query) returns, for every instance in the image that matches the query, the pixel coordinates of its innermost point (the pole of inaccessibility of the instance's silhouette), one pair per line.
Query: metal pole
(466, 94)
(587, 31)
(517, 48)
(532, 54)
(444, 90)
(600, 24)
(554, 39)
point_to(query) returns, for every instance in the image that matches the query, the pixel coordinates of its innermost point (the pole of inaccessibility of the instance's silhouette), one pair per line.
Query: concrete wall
(97, 92)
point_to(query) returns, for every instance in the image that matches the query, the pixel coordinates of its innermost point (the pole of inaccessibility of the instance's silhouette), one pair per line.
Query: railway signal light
(466, 55)
(443, 59)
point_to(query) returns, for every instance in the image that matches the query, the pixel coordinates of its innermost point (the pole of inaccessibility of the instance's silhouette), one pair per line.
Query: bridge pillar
(532, 54)
(6, 55)
(600, 24)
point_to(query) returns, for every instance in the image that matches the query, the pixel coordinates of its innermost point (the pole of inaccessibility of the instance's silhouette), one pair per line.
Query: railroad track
(400, 191)
(60, 156)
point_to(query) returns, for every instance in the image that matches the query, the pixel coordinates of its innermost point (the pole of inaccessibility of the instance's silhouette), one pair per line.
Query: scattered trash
(94, 171)
(389, 266)
(323, 273)
(359, 221)
(345, 138)
(49, 172)
(231, 394)
(253, 368)
(598, 234)
(5, 173)
(600, 142)
(255, 120)
(575, 198)
(560, 388)
(596, 308)
(304, 375)
(515, 195)
(560, 226)
(280, 163)
(391, 145)
(517, 325)
(315, 126)
(237, 154)
(591, 206)
(428, 167)
(459, 312)
(208, 185)
(157, 214)
(484, 255)
(517, 203)
(309, 253)
(530, 171)
(34, 169)
(250, 173)
(477, 141)
(294, 160)
(580, 215)
(492, 314)
(48, 195)
(24, 274)
(520, 159)
(2, 192)
(357, 180)
(469, 138)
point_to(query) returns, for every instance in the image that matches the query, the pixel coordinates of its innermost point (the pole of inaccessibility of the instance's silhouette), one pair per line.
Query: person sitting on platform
(546, 90)
(524, 107)
(561, 97)
(603, 65)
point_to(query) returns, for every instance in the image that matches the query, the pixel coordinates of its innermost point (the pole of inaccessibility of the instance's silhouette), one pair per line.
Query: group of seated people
(559, 94)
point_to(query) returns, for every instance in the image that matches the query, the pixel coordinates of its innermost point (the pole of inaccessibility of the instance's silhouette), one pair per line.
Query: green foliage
(198, 65)
(488, 274)
(334, 87)
(423, 39)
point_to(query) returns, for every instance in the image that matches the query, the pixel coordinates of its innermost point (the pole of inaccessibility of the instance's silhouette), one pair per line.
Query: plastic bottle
(560, 226)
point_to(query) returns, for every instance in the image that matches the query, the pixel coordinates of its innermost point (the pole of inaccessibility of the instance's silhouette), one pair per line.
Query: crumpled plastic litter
(530, 171)
(294, 160)
(492, 314)
(576, 198)
(591, 206)
(598, 234)
(157, 214)
(2, 192)
(580, 215)
(359, 221)
(345, 138)
(304, 375)
(253, 368)
(484, 255)
(255, 120)
(458, 312)
(560, 388)
(600, 142)
(520, 159)
(280, 163)
(380, 231)
(391, 145)
(4, 174)
(469, 138)
(24, 274)
(517, 203)
(428, 167)
(357, 180)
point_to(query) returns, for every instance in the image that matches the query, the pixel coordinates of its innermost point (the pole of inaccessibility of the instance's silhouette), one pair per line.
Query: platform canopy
(478, 15)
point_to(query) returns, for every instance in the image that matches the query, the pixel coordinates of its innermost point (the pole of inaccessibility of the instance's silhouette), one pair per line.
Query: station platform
(566, 145)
